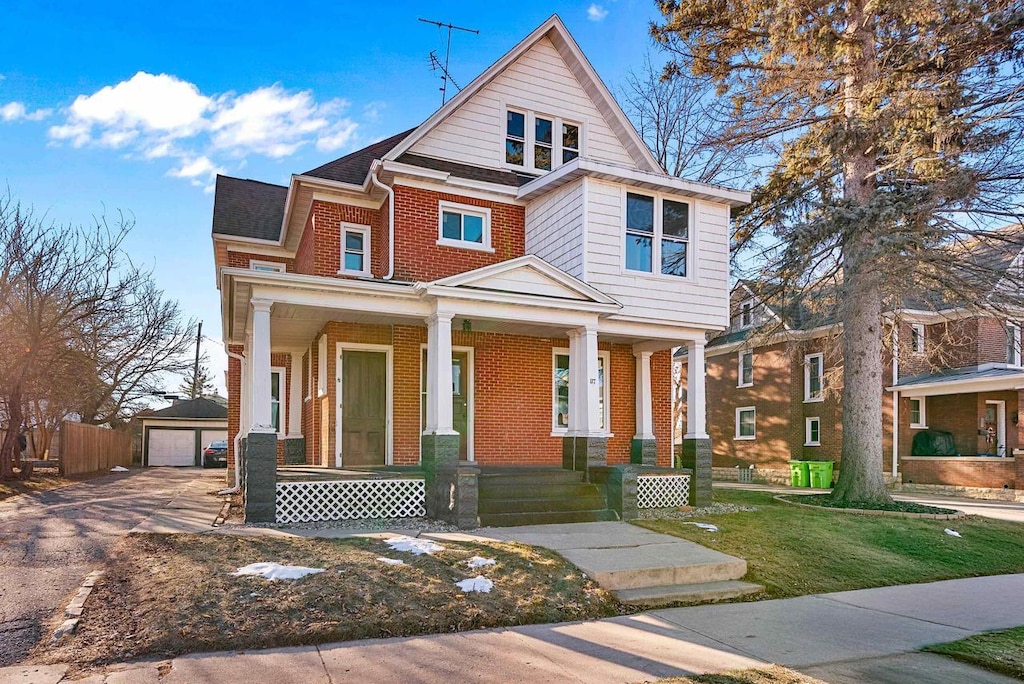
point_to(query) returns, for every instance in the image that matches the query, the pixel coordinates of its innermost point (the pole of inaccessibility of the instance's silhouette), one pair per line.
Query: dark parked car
(216, 454)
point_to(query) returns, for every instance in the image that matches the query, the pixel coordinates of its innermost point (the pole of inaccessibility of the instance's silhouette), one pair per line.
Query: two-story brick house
(774, 381)
(499, 286)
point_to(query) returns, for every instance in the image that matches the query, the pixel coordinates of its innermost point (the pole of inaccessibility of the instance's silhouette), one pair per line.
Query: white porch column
(575, 371)
(295, 396)
(584, 389)
(439, 375)
(260, 367)
(696, 409)
(644, 407)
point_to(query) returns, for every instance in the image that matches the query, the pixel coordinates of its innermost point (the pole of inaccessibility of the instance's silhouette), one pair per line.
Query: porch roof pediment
(526, 275)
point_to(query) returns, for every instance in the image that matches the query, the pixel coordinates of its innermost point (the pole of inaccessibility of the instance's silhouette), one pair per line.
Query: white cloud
(596, 12)
(162, 116)
(16, 111)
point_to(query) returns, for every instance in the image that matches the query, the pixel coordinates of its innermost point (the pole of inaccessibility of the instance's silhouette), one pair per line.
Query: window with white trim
(814, 366)
(560, 390)
(465, 226)
(747, 313)
(746, 422)
(321, 366)
(745, 369)
(657, 233)
(917, 416)
(355, 250)
(812, 432)
(266, 266)
(277, 378)
(1013, 355)
(540, 142)
(307, 366)
(917, 338)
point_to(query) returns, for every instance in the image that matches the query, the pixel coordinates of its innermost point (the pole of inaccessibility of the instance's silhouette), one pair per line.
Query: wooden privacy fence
(87, 448)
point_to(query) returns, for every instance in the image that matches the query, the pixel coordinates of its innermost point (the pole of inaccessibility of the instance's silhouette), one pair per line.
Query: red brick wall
(960, 414)
(995, 473)
(242, 259)
(234, 387)
(418, 257)
(319, 250)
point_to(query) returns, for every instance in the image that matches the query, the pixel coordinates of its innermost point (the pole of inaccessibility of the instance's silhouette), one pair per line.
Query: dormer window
(539, 142)
(747, 313)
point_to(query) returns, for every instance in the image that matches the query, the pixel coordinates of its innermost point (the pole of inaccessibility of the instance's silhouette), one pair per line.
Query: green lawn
(793, 551)
(997, 651)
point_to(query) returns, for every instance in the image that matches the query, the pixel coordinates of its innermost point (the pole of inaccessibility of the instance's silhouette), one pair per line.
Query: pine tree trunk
(860, 471)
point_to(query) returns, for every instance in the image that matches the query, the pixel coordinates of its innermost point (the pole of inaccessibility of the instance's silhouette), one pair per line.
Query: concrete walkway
(871, 635)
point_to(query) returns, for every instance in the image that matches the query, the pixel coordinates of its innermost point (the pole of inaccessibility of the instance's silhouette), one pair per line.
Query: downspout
(391, 217)
(237, 438)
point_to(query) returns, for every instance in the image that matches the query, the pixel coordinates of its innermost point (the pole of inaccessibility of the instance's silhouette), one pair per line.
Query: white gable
(538, 80)
(526, 275)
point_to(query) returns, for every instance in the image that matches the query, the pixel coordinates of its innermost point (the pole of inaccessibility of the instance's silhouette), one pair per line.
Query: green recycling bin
(820, 473)
(799, 474)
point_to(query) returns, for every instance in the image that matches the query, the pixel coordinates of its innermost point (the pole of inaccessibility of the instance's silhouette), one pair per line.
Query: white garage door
(172, 447)
(213, 436)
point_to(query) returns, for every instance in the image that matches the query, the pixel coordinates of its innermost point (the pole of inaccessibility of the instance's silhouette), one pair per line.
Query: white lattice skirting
(349, 500)
(662, 491)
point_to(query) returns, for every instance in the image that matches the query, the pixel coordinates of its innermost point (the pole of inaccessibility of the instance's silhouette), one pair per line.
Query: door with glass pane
(461, 404)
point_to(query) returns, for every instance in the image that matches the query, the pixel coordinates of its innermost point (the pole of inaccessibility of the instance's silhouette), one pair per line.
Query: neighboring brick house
(525, 232)
(774, 381)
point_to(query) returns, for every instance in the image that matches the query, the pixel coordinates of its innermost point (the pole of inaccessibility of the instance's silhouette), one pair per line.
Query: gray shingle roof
(248, 208)
(193, 408)
(352, 168)
(961, 374)
(476, 173)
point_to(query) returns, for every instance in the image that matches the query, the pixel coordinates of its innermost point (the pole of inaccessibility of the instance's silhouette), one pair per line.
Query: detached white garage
(176, 435)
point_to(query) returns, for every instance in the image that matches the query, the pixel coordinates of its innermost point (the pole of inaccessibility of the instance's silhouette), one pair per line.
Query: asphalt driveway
(51, 540)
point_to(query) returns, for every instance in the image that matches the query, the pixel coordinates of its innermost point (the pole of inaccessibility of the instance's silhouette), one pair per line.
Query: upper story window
(465, 226)
(917, 338)
(745, 375)
(657, 232)
(266, 266)
(1013, 356)
(813, 371)
(539, 142)
(747, 313)
(355, 250)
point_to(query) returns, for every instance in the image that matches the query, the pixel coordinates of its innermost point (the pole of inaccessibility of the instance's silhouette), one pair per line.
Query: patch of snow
(478, 583)
(416, 547)
(704, 526)
(479, 562)
(390, 561)
(119, 469)
(952, 533)
(275, 571)
(229, 490)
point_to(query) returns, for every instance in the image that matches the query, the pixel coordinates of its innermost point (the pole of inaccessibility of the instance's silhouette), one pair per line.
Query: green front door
(364, 407)
(460, 401)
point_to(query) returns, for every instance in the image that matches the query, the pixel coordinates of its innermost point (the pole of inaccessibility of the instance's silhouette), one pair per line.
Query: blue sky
(133, 108)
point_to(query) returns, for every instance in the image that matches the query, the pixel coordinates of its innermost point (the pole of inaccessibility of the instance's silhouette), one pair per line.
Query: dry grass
(770, 675)
(997, 651)
(165, 595)
(41, 481)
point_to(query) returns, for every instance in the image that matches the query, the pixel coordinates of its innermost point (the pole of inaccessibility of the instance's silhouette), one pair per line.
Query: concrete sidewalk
(871, 635)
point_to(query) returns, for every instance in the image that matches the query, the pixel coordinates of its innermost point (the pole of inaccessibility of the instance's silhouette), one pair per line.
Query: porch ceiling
(296, 326)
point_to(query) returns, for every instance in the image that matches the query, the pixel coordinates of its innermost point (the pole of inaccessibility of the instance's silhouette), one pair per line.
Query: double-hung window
(657, 235)
(355, 250)
(917, 338)
(746, 423)
(745, 370)
(747, 313)
(917, 416)
(277, 376)
(540, 142)
(812, 432)
(813, 370)
(465, 226)
(1013, 356)
(560, 390)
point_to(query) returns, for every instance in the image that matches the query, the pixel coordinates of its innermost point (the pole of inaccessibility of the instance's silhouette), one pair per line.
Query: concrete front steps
(639, 566)
(539, 496)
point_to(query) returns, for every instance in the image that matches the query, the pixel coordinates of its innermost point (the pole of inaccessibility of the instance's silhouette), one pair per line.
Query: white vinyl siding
(701, 299)
(554, 228)
(539, 81)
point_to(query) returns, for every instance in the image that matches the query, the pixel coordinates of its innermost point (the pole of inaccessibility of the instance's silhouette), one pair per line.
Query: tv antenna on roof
(435, 63)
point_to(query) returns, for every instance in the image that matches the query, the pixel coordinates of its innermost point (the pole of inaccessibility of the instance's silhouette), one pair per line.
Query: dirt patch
(770, 675)
(165, 595)
(42, 480)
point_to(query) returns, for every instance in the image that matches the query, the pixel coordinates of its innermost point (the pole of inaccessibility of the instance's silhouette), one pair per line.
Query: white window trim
(556, 429)
(272, 266)
(530, 136)
(1013, 333)
(309, 374)
(747, 309)
(923, 424)
(739, 368)
(365, 231)
(807, 431)
(808, 399)
(282, 400)
(737, 435)
(917, 335)
(321, 367)
(454, 207)
(691, 240)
